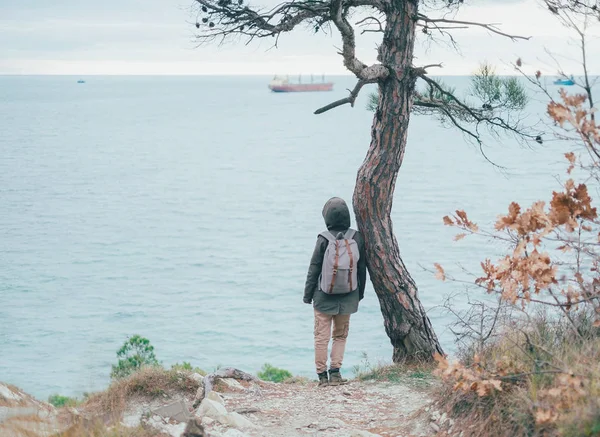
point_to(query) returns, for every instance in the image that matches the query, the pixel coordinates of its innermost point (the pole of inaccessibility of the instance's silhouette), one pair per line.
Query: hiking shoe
(323, 379)
(335, 377)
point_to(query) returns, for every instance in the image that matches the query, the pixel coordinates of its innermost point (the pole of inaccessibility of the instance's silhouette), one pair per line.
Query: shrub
(534, 369)
(62, 401)
(187, 367)
(273, 374)
(135, 353)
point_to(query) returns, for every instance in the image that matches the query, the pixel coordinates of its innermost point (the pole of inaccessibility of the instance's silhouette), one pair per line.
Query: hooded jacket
(337, 219)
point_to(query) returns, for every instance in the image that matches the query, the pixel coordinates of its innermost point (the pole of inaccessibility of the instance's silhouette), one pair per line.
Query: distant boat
(283, 85)
(81, 81)
(568, 81)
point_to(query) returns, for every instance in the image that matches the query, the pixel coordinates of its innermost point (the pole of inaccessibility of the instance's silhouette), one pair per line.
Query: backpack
(339, 271)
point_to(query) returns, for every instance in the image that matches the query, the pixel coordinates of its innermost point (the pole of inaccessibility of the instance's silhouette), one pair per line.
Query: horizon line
(225, 74)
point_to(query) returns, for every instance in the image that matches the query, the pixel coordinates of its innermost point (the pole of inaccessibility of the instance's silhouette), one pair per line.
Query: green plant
(273, 374)
(419, 374)
(135, 353)
(363, 368)
(187, 367)
(62, 401)
(498, 92)
(381, 372)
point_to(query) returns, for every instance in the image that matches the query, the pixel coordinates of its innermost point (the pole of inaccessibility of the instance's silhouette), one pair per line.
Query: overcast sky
(157, 37)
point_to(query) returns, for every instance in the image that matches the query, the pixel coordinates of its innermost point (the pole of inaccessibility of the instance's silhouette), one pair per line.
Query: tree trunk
(406, 322)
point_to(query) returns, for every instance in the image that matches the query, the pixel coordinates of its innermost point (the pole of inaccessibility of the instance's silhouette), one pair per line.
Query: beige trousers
(323, 334)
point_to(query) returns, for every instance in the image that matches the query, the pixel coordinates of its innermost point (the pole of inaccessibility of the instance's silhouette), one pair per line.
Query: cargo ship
(283, 85)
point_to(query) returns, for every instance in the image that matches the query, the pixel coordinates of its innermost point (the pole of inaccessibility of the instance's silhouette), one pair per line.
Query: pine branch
(476, 116)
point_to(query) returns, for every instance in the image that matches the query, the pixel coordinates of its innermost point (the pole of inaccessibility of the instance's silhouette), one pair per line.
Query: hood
(336, 214)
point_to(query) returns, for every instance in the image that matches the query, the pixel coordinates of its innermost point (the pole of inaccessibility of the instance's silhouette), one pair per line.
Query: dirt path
(387, 409)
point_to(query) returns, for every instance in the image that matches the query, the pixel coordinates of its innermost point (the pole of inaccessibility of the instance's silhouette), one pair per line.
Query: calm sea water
(185, 209)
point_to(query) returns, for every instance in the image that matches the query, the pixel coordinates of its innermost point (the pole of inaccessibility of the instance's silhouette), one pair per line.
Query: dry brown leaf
(555, 392)
(458, 237)
(440, 274)
(496, 383)
(545, 416)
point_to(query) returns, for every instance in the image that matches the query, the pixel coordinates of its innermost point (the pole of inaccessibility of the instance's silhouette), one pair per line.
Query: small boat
(568, 81)
(283, 85)
(81, 81)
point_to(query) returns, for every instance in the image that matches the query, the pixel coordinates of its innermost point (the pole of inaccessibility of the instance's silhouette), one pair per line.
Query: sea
(185, 209)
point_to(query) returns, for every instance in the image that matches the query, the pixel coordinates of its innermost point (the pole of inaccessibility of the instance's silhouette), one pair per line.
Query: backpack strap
(336, 264)
(351, 264)
(328, 235)
(350, 234)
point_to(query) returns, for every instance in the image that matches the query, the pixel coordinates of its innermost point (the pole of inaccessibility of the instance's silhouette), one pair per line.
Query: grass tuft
(148, 382)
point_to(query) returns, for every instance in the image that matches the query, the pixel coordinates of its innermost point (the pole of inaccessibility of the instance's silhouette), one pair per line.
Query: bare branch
(362, 22)
(443, 31)
(425, 67)
(492, 27)
(351, 62)
(350, 99)
(226, 18)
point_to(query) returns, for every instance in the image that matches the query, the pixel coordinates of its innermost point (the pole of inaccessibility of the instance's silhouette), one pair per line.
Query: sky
(156, 37)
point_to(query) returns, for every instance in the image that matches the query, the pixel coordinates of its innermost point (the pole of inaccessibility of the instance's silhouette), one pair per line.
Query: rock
(236, 420)
(159, 424)
(435, 416)
(255, 389)
(11, 396)
(434, 426)
(73, 411)
(194, 428)
(212, 409)
(200, 392)
(23, 415)
(198, 378)
(207, 421)
(214, 396)
(199, 395)
(132, 416)
(233, 383)
(362, 433)
(176, 411)
(443, 418)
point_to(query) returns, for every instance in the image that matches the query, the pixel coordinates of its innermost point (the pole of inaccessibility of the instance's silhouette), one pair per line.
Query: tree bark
(405, 320)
